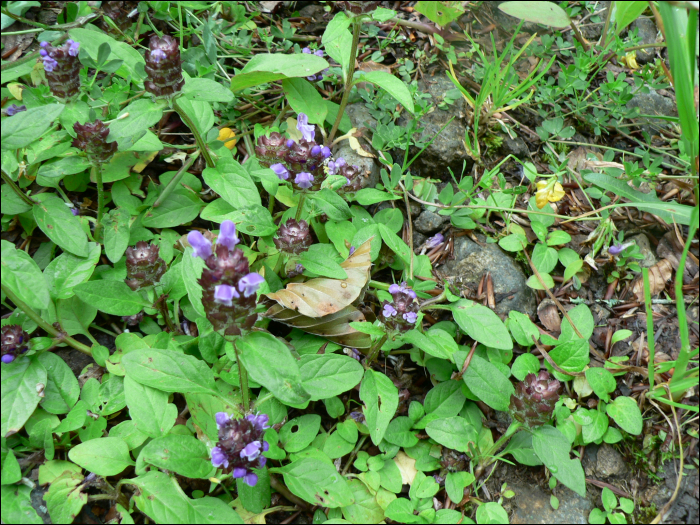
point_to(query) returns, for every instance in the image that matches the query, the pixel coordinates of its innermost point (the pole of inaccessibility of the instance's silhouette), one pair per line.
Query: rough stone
(609, 462)
(447, 150)
(416, 209)
(685, 508)
(646, 250)
(515, 147)
(652, 103)
(592, 31)
(473, 261)
(429, 222)
(360, 116)
(647, 35)
(532, 505)
(367, 165)
(418, 240)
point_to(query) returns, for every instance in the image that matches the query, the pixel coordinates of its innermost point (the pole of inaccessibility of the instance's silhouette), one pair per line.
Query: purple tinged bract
(201, 246)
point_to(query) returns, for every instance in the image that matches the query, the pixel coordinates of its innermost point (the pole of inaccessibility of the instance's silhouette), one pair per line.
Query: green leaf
(332, 204)
(63, 167)
(442, 13)
(314, 262)
(11, 472)
(491, 512)
(602, 382)
(437, 343)
(111, 297)
(12, 204)
(337, 41)
(453, 432)
(481, 324)
(545, 259)
(522, 328)
(74, 420)
(456, 482)
(571, 356)
(365, 509)
(233, 184)
(624, 13)
(257, 350)
(17, 505)
(545, 13)
(107, 456)
(116, 234)
(65, 499)
(149, 408)
(298, 433)
(445, 400)
(206, 90)
(191, 271)
(180, 207)
(141, 115)
(329, 375)
(91, 41)
(57, 222)
(316, 482)
(199, 112)
(523, 365)
(21, 129)
(20, 384)
(625, 412)
(393, 85)
(557, 238)
(184, 455)
(399, 433)
(67, 271)
(369, 196)
(169, 371)
(534, 283)
(583, 319)
(203, 409)
(401, 511)
(62, 389)
(395, 244)
(264, 68)
(514, 242)
(381, 399)
(488, 383)
(553, 449)
(22, 276)
(303, 97)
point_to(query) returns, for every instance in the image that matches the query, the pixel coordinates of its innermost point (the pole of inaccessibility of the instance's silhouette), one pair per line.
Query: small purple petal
(410, 317)
(43, 52)
(326, 151)
(389, 311)
(352, 250)
(304, 180)
(227, 235)
(218, 458)
(280, 171)
(74, 48)
(290, 143)
(394, 288)
(251, 451)
(222, 418)
(617, 249)
(75, 212)
(249, 284)
(436, 239)
(8, 358)
(251, 479)
(261, 461)
(316, 150)
(319, 53)
(201, 246)
(308, 131)
(157, 55)
(44, 44)
(266, 446)
(224, 294)
(49, 63)
(306, 50)
(239, 472)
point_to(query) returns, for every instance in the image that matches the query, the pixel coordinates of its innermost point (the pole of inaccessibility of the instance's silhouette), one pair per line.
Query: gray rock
(646, 249)
(647, 35)
(429, 222)
(532, 505)
(360, 116)
(418, 240)
(37, 501)
(686, 504)
(367, 165)
(609, 463)
(416, 209)
(592, 30)
(472, 261)
(652, 104)
(447, 150)
(515, 147)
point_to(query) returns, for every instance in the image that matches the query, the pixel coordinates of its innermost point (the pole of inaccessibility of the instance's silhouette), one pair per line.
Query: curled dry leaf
(322, 296)
(334, 327)
(549, 315)
(659, 274)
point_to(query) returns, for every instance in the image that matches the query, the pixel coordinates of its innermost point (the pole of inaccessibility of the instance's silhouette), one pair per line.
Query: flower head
(163, 67)
(308, 131)
(92, 139)
(144, 267)
(304, 180)
(534, 399)
(13, 342)
(240, 446)
(402, 313)
(293, 237)
(201, 246)
(548, 191)
(62, 68)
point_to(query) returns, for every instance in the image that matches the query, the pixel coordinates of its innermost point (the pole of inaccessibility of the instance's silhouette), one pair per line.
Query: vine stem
(97, 172)
(43, 324)
(356, 25)
(374, 351)
(197, 137)
(489, 458)
(16, 189)
(176, 179)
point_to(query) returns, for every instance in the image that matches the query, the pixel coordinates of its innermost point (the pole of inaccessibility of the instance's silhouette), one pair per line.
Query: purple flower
(218, 458)
(8, 358)
(224, 294)
(251, 451)
(436, 239)
(410, 317)
(200, 245)
(280, 171)
(389, 311)
(352, 250)
(319, 53)
(75, 212)
(49, 63)
(617, 249)
(395, 288)
(316, 150)
(262, 422)
(157, 55)
(249, 284)
(14, 109)
(221, 418)
(304, 180)
(326, 151)
(335, 165)
(227, 235)
(239, 472)
(290, 143)
(74, 48)
(308, 131)
(306, 51)
(251, 479)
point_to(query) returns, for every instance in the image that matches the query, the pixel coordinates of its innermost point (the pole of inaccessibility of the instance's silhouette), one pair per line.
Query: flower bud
(143, 265)
(534, 399)
(62, 68)
(92, 138)
(163, 66)
(117, 12)
(240, 445)
(353, 175)
(272, 149)
(293, 237)
(402, 313)
(14, 342)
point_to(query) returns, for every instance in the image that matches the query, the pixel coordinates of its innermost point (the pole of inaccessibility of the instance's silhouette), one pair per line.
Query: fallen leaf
(407, 467)
(322, 296)
(659, 274)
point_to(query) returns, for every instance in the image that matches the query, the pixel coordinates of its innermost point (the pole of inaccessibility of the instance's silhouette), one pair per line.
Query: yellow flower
(630, 59)
(548, 191)
(227, 135)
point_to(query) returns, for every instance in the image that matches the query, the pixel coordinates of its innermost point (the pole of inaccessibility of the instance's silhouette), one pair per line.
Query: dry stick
(410, 230)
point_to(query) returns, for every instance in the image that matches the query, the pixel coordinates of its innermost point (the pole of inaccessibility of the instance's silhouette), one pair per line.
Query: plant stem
(176, 179)
(374, 351)
(356, 24)
(16, 189)
(197, 137)
(300, 206)
(97, 172)
(242, 378)
(163, 308)
(43, 324)
(489, 458)
(650, 325)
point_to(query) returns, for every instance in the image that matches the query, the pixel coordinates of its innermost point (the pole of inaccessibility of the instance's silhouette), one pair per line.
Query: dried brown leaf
(322, 296)
(659, 274)
(549, 315)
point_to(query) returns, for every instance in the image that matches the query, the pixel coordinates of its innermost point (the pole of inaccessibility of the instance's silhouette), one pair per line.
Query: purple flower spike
(221, 418)
(218, 458)
(280, 171)
(389, 311)
(326, 151)
(224, 294)
(200, 245)
(227, 235)
(304, 180)
(74, 48)
(410, 317)
(249, 284)
(436, 239)
(308, 131)
(251, 479)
